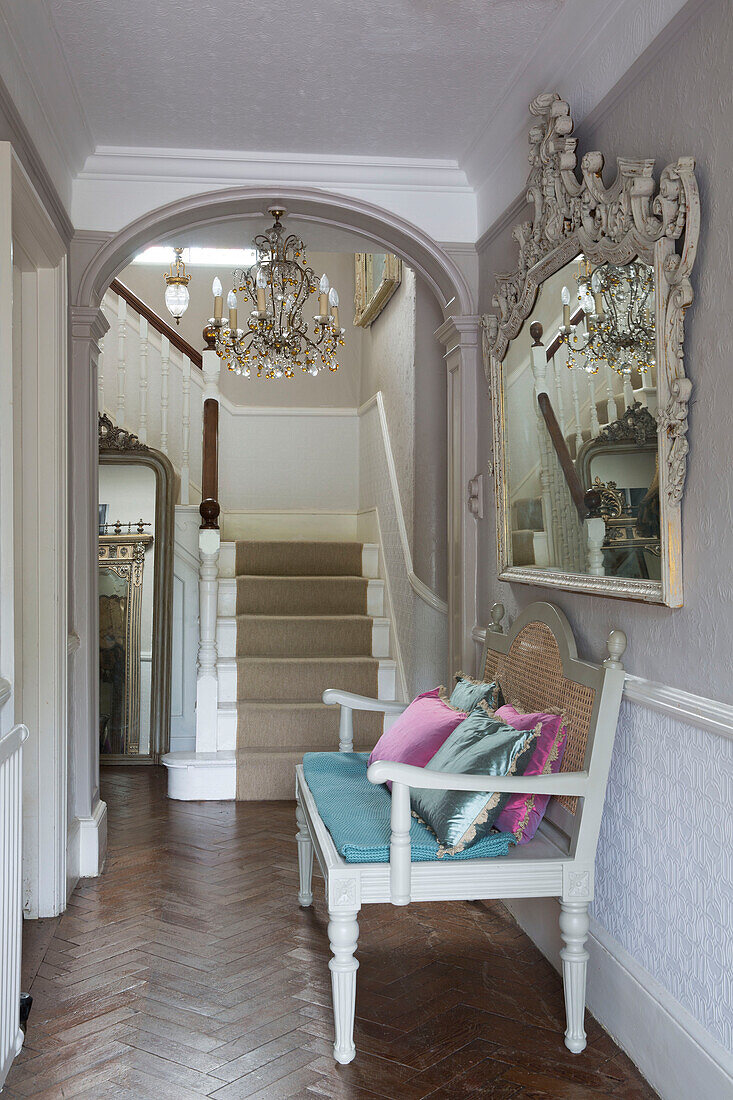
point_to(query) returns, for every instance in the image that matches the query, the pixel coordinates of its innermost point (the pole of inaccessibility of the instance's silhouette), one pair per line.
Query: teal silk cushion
(481, 745)
(468, 693)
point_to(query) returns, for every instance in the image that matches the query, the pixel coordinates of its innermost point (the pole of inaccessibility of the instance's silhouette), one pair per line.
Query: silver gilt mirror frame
(634, 218)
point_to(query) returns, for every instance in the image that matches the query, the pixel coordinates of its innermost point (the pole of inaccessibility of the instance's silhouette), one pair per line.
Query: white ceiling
(404, 78)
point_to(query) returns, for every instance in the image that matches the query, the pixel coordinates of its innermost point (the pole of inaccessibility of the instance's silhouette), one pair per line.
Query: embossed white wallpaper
(664, 885)
(664, 881)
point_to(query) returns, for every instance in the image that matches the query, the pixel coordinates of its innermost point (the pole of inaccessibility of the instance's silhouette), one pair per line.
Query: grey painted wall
(402, 357)
(679, 104)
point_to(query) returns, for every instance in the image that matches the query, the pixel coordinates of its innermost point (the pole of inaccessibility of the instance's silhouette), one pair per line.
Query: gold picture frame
(376, 277)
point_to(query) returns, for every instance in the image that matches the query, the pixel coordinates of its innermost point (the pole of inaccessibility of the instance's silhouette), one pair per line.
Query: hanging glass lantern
(176, 291)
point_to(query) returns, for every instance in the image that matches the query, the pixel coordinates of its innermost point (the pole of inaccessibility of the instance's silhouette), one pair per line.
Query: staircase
(294, 619)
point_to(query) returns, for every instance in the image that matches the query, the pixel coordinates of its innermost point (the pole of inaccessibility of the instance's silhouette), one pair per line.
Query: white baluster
(165, 363)
(121, 361)
(611, 407)
(143, 422)
(557, 370)
(595, 427)
(100, 377)
(207, 687)
(185, 428)
(576, 411)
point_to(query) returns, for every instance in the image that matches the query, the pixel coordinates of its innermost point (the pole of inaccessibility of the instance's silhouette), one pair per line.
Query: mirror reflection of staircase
(308, 617)
(529, 538)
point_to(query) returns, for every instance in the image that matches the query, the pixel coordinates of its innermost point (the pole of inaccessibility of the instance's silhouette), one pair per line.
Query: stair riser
(369, 560)
(303, 729)
(227, 728)
(303, 681)
(299, 559)
(226, 639)
(227, 603)
(304, 595)
(386, 682)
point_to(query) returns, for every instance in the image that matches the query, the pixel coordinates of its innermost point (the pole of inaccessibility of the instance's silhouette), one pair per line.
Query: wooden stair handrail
(586, 502)
(557, 341)
(209, 507)
(156, 322)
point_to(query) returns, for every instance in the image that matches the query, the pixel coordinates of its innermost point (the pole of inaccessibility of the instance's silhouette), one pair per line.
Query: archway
(96, 260)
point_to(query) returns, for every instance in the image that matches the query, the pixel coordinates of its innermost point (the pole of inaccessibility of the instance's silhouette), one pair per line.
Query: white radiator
(11, 915)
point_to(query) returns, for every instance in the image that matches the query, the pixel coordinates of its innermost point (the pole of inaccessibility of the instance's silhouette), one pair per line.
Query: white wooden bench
(538, 669)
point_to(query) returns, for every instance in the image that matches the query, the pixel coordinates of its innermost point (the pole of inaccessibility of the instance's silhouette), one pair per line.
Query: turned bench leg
(305, 858)
(343, 935)
(574, 931)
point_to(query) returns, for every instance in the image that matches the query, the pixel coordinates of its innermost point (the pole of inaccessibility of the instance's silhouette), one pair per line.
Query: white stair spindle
(121, 360)
(165, 363)
(100, 377)
(595, 427)
(185, 428)
(576, 411)
(557, 369)
(143, 422)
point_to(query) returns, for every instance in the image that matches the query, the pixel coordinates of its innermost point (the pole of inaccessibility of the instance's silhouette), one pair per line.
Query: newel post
(207, 685)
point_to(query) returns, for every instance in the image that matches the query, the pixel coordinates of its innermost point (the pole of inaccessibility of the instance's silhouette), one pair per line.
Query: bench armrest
(348, 699)
(562, 783)
(349, 702)
(405, 776)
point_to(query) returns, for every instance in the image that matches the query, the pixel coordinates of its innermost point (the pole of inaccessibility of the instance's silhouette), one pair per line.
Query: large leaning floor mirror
(136, 494)
(585, 362)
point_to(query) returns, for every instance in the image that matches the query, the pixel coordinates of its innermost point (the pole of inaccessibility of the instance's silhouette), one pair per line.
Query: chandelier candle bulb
(232, 307)
(261, 285)
(323, 299)
(565, 295)
(217, 291)
(333, 301)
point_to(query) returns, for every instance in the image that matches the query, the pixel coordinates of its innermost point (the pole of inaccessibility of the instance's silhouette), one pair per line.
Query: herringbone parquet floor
(187, 970)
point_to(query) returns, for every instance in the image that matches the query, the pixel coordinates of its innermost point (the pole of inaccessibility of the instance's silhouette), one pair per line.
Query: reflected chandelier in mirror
(585, 362)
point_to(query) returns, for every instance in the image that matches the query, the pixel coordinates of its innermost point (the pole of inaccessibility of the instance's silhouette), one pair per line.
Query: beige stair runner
(302, 626)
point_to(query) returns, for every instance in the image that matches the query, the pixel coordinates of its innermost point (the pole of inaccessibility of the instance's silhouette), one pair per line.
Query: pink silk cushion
(419, 731)
(523, 812)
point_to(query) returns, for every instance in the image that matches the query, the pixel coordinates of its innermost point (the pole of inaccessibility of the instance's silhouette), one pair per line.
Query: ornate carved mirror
(585, 364)
(136, 494)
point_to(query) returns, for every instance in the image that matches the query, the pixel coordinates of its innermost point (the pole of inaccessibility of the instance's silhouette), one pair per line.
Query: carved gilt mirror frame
(633, 218)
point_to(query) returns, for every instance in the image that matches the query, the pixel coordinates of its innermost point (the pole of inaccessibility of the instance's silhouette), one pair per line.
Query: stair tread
(337, 615)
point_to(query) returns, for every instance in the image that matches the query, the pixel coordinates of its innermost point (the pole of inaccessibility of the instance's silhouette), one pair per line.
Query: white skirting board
(676, 1055)
(86, 846)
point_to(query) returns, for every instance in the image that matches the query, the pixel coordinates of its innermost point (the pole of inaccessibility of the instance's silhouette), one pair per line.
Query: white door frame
(460, 337)
(34, 555)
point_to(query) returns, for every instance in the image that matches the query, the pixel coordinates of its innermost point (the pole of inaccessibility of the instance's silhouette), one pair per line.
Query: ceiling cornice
(132, 163)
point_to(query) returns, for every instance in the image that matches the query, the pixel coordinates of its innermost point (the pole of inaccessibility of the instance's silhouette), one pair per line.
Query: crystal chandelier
(617, 326)
(275, 342)
(176, 291)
